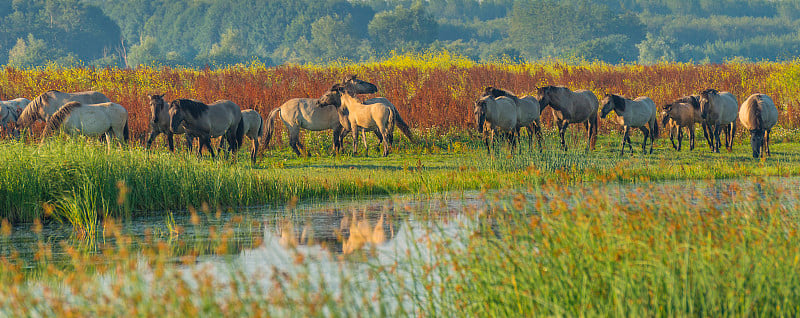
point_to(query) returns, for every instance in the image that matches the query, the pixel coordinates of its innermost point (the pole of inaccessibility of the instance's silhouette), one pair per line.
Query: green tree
(403, 28)
(657, 49)
(34, 52)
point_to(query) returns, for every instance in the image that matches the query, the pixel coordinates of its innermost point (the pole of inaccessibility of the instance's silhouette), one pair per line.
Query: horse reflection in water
(340, 233)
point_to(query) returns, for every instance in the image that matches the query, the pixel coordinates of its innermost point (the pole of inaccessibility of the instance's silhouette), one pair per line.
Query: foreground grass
(77, 175)
(607, 249)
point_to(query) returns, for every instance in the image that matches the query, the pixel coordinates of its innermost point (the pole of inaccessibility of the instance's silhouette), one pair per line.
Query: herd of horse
(497, 111)
(500, 111)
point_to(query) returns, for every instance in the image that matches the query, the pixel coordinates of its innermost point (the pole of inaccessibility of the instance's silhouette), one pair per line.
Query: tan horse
(304, 113)
(528, 113)
(46, 104)
(683, 113)
(109, 119)
(10, 111)
(495, 115)
(356, 116)
(637, 113)
(719, 109)
(221, 118)
(253, 129)
(159, 123)
(759, 114)
(571, 107)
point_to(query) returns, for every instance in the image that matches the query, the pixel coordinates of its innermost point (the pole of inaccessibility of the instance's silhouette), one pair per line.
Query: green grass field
(61, 170)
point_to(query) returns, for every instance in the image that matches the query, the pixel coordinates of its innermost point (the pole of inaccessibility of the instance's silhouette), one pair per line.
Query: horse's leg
(537, 126)
(733, 134)
(680, 138)
(294, 139)
(646, 132)
(766, 142)
(562, 129)
(624, 139)
(337, 139)
(209, 147)
(486, 142)
(691, 137)
(707, 134)
(386, 141)
(717, 142)
(380, 139)
(151, 138)
(366, 147)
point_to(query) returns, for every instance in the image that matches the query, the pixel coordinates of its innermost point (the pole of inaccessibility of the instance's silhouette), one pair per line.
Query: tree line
(200, 33)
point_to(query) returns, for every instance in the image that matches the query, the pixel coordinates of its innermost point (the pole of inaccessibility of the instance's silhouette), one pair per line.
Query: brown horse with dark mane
(222, 118)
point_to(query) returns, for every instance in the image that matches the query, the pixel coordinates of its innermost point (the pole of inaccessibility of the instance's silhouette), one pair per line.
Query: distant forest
(200, 33)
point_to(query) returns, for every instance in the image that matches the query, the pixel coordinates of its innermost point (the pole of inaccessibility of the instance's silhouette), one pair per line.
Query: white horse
(109, 119)
(495, 115)
(638, 113)
(759, 114)
(719, 109)
(46, 104)
(356, 116)
(10, 110)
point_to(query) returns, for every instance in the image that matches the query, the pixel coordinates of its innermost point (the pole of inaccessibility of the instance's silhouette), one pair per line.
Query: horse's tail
(654, 134)
(260, 132)
(403, 125)
(126, 132)
(270, 126)
(239, 135)
(393, 121)
(59, 117)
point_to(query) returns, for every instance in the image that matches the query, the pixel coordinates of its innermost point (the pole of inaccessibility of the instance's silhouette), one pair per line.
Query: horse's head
(479, 111)
(176, 115)
(157, 108)
(358, 86)
(333, 96)
(705, 101)
(543, 95)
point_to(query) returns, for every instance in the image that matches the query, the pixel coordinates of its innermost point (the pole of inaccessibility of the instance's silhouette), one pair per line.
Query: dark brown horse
(683, 113)
(221, 118)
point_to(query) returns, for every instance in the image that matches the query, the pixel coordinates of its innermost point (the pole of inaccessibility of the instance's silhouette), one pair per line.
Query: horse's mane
(619, 102)
(665, 119)
(31, 112)
(497, 92)
(709, 92)
(195, 108)
(688, 100)
(60, 116)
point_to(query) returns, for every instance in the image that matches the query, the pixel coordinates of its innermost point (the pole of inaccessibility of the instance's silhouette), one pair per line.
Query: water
(345, 227)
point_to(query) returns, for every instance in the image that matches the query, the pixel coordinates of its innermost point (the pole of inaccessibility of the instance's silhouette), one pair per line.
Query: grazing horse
(683, 112)
(719, 110)
(638, 113)
(108, 119)
(304, 113)
(356, 116)
(46, 104)
(253, 129)
(528, 113)
(221, 118)
(159, 123)
(495, 114)
(571, 107)
(10, 111)
(759, 114)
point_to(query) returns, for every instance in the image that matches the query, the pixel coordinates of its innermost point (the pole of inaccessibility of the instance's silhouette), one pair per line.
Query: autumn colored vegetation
(430, 90)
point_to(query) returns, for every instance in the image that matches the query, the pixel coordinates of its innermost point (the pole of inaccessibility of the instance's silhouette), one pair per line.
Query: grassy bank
(670, 249)
(127, 181)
